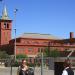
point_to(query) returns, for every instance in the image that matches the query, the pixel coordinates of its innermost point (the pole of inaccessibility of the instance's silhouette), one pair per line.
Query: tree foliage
(21, 56)
(3, 55)
(51, 52)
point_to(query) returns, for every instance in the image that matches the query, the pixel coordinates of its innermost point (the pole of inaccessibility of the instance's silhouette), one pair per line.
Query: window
(20, 49)
(6, 25)
(18, 40)
(46, 43)
(30, 49)
(36, 42)
(27, 42)
(39, 50)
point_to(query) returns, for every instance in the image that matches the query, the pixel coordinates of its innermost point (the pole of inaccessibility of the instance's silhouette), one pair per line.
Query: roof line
(38, 33)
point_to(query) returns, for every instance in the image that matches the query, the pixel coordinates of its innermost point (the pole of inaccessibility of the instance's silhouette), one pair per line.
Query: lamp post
(1, 0)
(15, 11)
(15, 45)
(49, 44)
(41, 62)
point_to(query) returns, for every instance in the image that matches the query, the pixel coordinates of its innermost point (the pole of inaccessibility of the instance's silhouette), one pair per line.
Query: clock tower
(5, 28)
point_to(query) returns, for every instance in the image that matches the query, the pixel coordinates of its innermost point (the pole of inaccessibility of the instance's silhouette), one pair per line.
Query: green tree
(21, 56)
(46, 52)
(54, 53)
(51, 52)
(3, 55)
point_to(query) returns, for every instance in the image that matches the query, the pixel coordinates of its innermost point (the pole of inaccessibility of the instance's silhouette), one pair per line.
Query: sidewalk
(46, 71)
(37, 71)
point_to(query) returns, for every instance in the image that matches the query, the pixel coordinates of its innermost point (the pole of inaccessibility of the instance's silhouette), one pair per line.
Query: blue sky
(56, 17)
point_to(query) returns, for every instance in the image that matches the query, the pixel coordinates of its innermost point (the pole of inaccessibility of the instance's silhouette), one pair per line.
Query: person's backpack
(70, 71)
(30, 71)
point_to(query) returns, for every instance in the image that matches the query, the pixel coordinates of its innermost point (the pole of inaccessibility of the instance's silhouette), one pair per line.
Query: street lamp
(15, 45)
(15, 32)
(49, 44)
(41, 61)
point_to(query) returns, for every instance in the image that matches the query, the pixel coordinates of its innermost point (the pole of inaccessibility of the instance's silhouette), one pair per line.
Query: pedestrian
(67, 68)
(22, 68)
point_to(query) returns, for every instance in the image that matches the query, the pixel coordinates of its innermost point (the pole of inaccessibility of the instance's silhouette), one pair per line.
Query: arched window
(5, 24)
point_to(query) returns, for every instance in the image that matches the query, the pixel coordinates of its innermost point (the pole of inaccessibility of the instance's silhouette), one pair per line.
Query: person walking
(67, 68)
(22, 68)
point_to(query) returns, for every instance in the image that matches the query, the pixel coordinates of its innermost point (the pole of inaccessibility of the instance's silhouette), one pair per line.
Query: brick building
(30, 43)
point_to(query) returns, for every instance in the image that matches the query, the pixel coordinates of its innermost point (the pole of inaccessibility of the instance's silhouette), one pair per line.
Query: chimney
(71, 35)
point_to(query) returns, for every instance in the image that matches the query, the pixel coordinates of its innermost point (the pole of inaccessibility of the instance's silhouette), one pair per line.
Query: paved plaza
(37, 71)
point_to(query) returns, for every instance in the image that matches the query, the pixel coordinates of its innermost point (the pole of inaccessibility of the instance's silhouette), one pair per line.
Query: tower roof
(5, 14)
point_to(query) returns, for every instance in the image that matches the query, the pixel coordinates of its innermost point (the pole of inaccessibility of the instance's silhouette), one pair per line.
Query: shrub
(21, 56)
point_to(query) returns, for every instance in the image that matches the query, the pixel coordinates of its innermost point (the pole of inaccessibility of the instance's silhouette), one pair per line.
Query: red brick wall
(5, 33)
